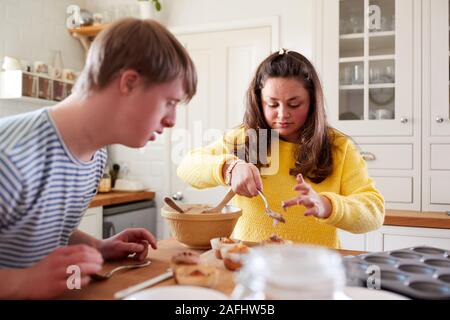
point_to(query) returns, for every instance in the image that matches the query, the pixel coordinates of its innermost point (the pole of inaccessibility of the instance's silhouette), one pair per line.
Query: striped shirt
(44, 189)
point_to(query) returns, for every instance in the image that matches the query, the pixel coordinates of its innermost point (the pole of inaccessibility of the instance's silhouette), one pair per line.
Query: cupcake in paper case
(233, 256)
(218, 243)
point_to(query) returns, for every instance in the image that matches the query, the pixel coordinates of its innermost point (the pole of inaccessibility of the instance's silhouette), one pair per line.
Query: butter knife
(150, 282)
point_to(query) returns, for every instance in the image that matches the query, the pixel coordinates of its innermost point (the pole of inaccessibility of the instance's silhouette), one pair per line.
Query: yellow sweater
(357, 206)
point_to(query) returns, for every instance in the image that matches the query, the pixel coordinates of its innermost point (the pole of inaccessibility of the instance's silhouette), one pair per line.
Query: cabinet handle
(404, 120)
(439, 119)
(368, 156)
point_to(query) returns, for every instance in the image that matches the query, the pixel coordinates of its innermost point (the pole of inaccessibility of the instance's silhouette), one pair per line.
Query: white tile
(2, 49)
(19, 15)
(2, 13)
(12, 46)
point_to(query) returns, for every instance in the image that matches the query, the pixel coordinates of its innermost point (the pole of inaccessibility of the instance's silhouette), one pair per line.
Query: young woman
(317, 174)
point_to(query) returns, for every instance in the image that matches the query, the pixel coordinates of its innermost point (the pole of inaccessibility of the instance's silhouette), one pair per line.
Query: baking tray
(418, 272)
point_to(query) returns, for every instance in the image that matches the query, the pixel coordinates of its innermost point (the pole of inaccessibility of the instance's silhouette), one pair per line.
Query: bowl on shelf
(194, 229)
(126, 185)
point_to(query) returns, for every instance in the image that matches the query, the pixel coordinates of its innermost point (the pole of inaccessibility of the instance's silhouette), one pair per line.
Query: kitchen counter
(393, 217)
(110, 198)
(417, 219)
(160, 262)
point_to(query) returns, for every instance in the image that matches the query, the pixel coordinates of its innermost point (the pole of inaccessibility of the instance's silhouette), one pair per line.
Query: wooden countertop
(160, 262)
(401, 218)
(417, 219)
(110, 198)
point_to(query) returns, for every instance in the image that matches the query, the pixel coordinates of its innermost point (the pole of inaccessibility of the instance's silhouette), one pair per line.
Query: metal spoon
(99, 276)
(173, 205)
(277, 217)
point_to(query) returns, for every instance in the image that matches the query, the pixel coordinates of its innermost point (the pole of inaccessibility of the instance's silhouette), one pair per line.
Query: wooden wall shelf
(86, 34)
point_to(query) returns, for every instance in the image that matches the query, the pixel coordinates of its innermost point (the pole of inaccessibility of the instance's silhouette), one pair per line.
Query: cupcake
(218, 243)
(184, 258)
(196, 275)
(274, 239)
(233, 256)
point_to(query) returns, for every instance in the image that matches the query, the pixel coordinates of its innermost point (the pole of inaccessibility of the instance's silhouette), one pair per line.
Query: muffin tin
(417, 272)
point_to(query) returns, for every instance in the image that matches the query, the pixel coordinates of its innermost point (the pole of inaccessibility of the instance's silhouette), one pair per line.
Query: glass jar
(105, 183)
(287, 272)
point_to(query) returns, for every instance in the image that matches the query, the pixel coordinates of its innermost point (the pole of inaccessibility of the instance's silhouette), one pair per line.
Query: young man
(51, 160)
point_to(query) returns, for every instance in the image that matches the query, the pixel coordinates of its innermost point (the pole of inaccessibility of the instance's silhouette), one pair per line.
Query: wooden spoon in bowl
(222, 204)
(173, 205)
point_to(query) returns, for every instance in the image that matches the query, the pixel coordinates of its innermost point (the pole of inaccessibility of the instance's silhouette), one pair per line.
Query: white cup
(10, 63)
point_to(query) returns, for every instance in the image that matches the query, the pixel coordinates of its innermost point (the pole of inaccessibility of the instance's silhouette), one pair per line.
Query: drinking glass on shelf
(357, 75)
(347, 75)
(356, 24)
(389, 74)
(374, 74)
(344, 26)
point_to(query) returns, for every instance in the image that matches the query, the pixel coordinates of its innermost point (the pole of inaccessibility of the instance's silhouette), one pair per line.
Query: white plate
(178, 293)
(359, 293)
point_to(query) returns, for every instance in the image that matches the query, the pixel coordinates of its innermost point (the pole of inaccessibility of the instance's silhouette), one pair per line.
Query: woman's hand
(127, 242)
(245, 179)
(48, 278)
(317, 205)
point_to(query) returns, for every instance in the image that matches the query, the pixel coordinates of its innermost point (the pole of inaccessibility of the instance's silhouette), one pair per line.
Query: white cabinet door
(368, 66)
(225, 62)
(436, 107)
(92, 222)
(350, 241)
(439, 22)
(392, 238)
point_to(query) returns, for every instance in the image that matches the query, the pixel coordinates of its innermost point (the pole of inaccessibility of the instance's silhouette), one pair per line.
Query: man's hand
(317, 205)
(48, 278)
(127, 242)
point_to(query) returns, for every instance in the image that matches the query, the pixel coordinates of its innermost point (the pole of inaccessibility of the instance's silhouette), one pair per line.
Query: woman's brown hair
(145, 46)
(315, 139)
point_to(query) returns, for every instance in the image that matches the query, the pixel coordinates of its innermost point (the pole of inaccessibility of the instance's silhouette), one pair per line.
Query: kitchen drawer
(394, 237)
(350, 241)
(440, 189)
(388, 156)
(395, 189)
(440, 157)
(395, 242)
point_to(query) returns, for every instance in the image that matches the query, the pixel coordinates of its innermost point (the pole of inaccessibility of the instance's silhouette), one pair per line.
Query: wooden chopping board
(226, 281)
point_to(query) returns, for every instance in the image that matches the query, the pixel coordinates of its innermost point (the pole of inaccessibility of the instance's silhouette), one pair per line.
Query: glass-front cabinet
(368, 66)
(439, 43)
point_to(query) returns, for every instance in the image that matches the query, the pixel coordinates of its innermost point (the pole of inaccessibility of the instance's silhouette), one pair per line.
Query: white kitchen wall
(296, 33)
(296, 16)
(148, 166)
(30, 30)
